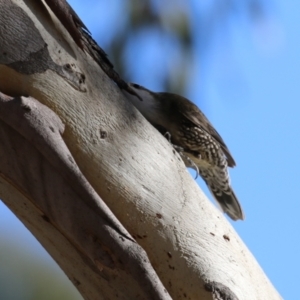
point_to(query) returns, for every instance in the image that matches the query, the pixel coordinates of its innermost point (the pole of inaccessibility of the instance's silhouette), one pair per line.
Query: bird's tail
(218, 181)
(228, 202)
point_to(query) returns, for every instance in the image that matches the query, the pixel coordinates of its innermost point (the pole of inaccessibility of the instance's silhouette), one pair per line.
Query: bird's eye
(136, 85)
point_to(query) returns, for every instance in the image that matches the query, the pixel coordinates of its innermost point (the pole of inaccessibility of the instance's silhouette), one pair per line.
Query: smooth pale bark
(63, 211)
(131, 167)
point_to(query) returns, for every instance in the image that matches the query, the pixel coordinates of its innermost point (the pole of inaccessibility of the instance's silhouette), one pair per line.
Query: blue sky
(250, 89)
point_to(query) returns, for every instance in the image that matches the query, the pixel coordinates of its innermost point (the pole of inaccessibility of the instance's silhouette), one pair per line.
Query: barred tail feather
(229, 203)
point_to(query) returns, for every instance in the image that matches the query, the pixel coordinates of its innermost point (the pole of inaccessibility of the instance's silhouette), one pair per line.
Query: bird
(197, 141)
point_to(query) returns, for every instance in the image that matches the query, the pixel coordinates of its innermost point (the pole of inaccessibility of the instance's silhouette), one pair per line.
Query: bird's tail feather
(229, 203)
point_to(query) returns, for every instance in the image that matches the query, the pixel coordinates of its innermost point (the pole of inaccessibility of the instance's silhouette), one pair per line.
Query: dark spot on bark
(159, 215)
(26, 107)
(171, 267)
(71, 159)
(169, 254)
(51, 128)
(103, 134)
(226, 237)
(82, 79)
(212, 233)
(45, 218)
(76, 282)
(219, 291)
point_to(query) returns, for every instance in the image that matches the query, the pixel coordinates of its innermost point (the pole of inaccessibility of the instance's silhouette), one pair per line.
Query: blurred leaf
(180, 25)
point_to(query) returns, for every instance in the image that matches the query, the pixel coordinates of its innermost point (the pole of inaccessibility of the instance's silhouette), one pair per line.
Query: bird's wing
(192, 113)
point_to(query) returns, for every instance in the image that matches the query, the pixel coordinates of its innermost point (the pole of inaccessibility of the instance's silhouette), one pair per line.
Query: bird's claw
(167, 135)
(187, 159)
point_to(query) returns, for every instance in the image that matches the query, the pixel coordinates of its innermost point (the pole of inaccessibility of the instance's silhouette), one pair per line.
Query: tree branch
(57, 198)
(129, 165)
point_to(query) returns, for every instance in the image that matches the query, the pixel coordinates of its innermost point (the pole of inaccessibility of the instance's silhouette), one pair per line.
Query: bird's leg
(187, 160)
(184, 157)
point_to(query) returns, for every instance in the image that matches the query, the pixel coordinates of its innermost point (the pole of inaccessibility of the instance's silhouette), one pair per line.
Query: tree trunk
(81, 141)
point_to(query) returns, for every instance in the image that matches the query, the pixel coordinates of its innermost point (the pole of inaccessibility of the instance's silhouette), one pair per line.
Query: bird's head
(150, 104)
